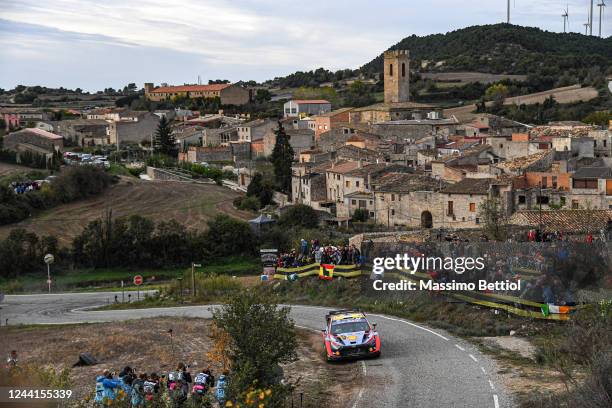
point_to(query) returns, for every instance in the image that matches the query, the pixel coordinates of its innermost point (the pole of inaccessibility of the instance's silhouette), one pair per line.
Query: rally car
(348, 334)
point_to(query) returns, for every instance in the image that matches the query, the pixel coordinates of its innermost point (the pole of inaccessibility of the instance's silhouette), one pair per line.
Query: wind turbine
(565, 16)
(508, 19)
(591, 19)
(586, 28)
(601, 10)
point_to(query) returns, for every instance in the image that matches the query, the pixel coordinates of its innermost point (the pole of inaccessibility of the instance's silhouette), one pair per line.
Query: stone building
(33, 140)
(404, 199)
(330, 120)
(591, 188)
(137, 127)
(85, 132)
(229, 94)
(397, 76)
(256, 130)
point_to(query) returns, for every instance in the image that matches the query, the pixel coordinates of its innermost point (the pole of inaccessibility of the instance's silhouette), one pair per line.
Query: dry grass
(190, 204)
(145, 345)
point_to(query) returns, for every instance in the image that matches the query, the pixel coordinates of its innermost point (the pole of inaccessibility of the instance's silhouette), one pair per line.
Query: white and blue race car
(348, 334)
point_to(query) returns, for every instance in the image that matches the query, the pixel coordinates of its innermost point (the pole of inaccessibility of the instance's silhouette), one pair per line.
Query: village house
(308, 184)
(84, 132)
(229, 94)
(256, 130)
(591, 188)
(19, 117)
(306, 107)
(405, 199)
(475, 162)
(220, 136)
(602, 142)
(299, 139)
(412, 130)
(330, 120)
(134, 127)
(35, 141)
(461, 202)
(540, 189)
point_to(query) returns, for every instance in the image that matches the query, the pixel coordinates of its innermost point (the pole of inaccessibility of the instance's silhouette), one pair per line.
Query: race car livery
(348, 334)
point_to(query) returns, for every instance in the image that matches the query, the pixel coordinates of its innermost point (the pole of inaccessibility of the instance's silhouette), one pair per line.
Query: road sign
(48, 281)
(49, 259)
(138, 280)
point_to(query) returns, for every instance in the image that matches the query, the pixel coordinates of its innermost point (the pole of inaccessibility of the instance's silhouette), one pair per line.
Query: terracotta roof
(345, 167)
(564, 220)
(41, 133)
(523, 161)
(192, 88)
(307, 101)
(469, 186)
(406, 182)
(477, 125)
(392, 106)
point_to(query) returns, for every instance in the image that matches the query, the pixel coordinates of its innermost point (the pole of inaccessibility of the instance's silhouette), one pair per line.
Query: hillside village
(396, 163)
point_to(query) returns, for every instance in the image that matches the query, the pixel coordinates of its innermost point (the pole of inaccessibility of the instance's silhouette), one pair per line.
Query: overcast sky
(94, 44)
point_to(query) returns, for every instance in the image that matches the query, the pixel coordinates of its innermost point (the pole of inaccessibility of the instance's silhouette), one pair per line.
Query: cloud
(246, 39)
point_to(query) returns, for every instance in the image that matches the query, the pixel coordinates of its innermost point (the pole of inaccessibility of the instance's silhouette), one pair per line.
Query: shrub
(249, 203)
(299, 215)
(360, 215)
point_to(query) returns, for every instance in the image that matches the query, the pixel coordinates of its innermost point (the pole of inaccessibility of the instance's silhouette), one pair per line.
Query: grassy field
(7, 169)
(110, 279)
(566, 94)
(190, 204)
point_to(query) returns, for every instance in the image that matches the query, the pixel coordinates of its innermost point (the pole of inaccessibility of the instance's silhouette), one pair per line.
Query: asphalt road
(419, 366)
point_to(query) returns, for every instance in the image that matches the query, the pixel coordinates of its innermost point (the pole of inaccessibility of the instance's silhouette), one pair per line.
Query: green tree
(601, 118)
(228, 236)
(360, 214)
(282, 158)
(164, 140)
(260, 189)
(262, 337)
(497, 93)
(299, 215)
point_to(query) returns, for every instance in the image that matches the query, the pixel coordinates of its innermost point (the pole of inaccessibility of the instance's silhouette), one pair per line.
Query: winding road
(419, 366)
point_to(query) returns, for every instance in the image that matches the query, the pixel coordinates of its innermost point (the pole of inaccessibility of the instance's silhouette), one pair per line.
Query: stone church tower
(397, 76)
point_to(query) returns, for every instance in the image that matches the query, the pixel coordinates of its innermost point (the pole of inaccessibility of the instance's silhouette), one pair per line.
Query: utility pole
(193, 286)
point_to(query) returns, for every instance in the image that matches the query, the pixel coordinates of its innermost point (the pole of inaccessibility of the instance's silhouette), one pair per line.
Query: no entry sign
(138, 280)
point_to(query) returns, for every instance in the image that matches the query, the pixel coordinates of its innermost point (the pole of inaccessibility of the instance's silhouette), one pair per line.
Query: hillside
(505, 49)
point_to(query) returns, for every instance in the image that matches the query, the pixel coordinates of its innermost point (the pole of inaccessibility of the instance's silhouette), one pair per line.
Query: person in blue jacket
(220, 389)
(106, 388)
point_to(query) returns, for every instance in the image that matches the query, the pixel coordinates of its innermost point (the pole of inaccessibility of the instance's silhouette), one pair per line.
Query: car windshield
(350, 327)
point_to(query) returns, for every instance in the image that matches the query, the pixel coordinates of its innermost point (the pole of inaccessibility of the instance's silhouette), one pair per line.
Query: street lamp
(49, 260)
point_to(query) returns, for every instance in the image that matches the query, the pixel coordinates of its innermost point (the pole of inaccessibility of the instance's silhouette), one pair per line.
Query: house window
(348, 183)
(390, 69)
(554, 181)
(356, 184)
(544, 182)
(449, 210)
(605, 142)
(472, 207)
(403, 69)
(585, 183)
(392, 212)
(542, 200)
(477, 220)
(392, 197)
(354, 202)
(575, 205)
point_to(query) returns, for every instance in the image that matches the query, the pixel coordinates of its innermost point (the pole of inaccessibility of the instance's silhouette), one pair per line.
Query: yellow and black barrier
(315, 269)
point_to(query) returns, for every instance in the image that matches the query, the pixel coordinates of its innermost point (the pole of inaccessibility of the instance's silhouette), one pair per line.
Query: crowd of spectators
(22, 187)
(314, 252)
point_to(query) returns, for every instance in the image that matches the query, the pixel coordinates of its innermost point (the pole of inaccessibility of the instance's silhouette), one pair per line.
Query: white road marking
(473, 358)
(491, 385)
(483, 370)
(412, 324)
(362, 389)
(459, 347)
(307, 328)
(495, 401)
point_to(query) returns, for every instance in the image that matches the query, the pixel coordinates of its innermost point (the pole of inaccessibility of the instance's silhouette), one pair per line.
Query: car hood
(351, 339)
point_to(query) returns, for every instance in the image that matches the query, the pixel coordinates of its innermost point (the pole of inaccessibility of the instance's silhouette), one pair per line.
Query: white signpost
(49, 260)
